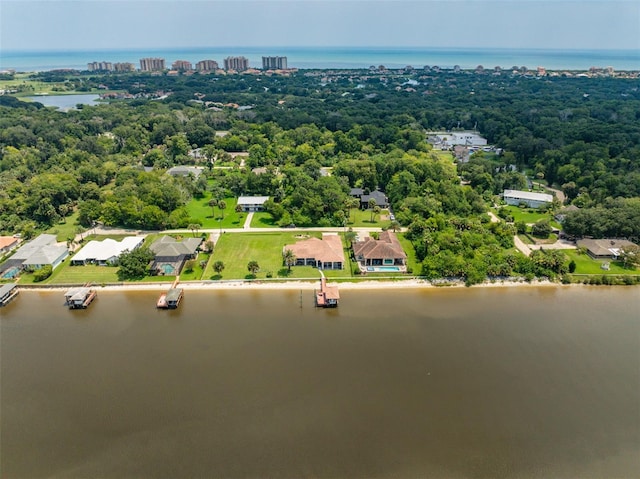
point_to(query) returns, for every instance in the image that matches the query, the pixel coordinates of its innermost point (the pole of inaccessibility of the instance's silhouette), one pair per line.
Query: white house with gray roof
(529, 198)
(252, 203)
(41, 251)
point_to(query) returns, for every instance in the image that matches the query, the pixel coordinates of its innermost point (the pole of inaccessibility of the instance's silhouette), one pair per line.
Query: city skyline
(526, 24)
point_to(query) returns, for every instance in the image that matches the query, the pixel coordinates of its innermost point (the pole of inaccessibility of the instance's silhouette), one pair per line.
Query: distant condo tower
(100, 66)
(207, 65)
(124, 67)
(152, 64)
(238, 64)
(182, 65)
(274, 63)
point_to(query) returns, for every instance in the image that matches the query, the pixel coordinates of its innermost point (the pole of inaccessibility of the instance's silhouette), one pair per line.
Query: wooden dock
(328, 296)
(172, 298)
(7, 293)
(80, 298)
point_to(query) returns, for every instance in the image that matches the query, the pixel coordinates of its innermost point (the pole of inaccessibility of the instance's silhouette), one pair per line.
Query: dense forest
(579, 135)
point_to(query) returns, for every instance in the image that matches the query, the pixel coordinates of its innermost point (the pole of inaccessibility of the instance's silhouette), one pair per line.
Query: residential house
(529, 198)
(252, 203)
(325, 253)
(105, 252)
(605, 248)
(378, 196)
(183, 170)
(7, 243)
(41, 251)
(384, 254)
(445, 140)
(562, 214)
(171, 254)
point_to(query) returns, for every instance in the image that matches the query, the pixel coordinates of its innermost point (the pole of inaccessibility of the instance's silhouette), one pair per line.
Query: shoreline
(300, 285)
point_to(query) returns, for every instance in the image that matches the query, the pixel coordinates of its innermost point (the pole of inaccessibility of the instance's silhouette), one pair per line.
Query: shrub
(42, 273)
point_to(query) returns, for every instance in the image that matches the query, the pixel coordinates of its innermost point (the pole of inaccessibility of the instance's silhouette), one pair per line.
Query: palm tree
(372, 206)
(222, 204)
(375, 211)
(289, 258)
(194, 227)
(349, 236)
(351, 203)
(213, 203)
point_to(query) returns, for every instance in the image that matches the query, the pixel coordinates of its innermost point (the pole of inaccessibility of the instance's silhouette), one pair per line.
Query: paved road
(522, 247)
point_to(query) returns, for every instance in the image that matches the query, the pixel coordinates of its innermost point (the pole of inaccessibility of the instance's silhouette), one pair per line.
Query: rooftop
(528, 195)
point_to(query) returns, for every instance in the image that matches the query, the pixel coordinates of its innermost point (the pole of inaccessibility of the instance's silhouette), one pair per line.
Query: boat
(80, 298)
(7, 293)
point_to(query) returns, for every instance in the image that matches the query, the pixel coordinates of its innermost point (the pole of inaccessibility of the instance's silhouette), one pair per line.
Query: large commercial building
(207, 65)
(274, 63)
(238, 64)
(152, 64)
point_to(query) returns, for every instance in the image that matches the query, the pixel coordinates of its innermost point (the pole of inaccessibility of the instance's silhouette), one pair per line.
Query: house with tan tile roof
(325, 253)
(384, 254)
(7, 243)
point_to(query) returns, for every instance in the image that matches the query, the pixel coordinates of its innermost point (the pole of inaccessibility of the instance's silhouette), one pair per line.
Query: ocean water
(336, 57)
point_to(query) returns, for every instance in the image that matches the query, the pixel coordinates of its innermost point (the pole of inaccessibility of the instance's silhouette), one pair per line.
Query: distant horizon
(319, 47)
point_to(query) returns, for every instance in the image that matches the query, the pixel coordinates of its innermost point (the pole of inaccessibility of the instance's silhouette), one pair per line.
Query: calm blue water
(65, 102)
(337, 57)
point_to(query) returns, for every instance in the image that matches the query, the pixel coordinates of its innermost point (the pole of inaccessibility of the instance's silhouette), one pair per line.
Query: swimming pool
(379, 269)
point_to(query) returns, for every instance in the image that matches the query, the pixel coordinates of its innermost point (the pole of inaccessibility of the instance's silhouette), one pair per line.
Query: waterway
(449, 383)
(66, 102)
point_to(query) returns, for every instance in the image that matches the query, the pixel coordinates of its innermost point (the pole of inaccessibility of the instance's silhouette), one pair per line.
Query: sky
(131, 24)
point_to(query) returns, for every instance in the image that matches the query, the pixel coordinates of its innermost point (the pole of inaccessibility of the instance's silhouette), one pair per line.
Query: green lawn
(527, 215)
(262, 219)
(358, 217)
(412, 261)
(586, 265)
(67, 228)
(236, 250)
(200, 210)
(67, 274)
(197, 272)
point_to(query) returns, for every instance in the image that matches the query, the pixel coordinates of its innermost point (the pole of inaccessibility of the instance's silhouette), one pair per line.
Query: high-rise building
(100, 66)
(152, 64)
(238, 64)
(182, 65)
(274, 63)
(207, 65)
(124, 67)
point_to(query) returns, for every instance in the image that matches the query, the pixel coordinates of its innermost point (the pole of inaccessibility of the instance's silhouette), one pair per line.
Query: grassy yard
(586, 265)
(527, 215)
(67, 228)
(262, 219)
(67, 274)
(412, 261)
(197, 272)
(358, 217)
(200, 210)
(236, 250)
